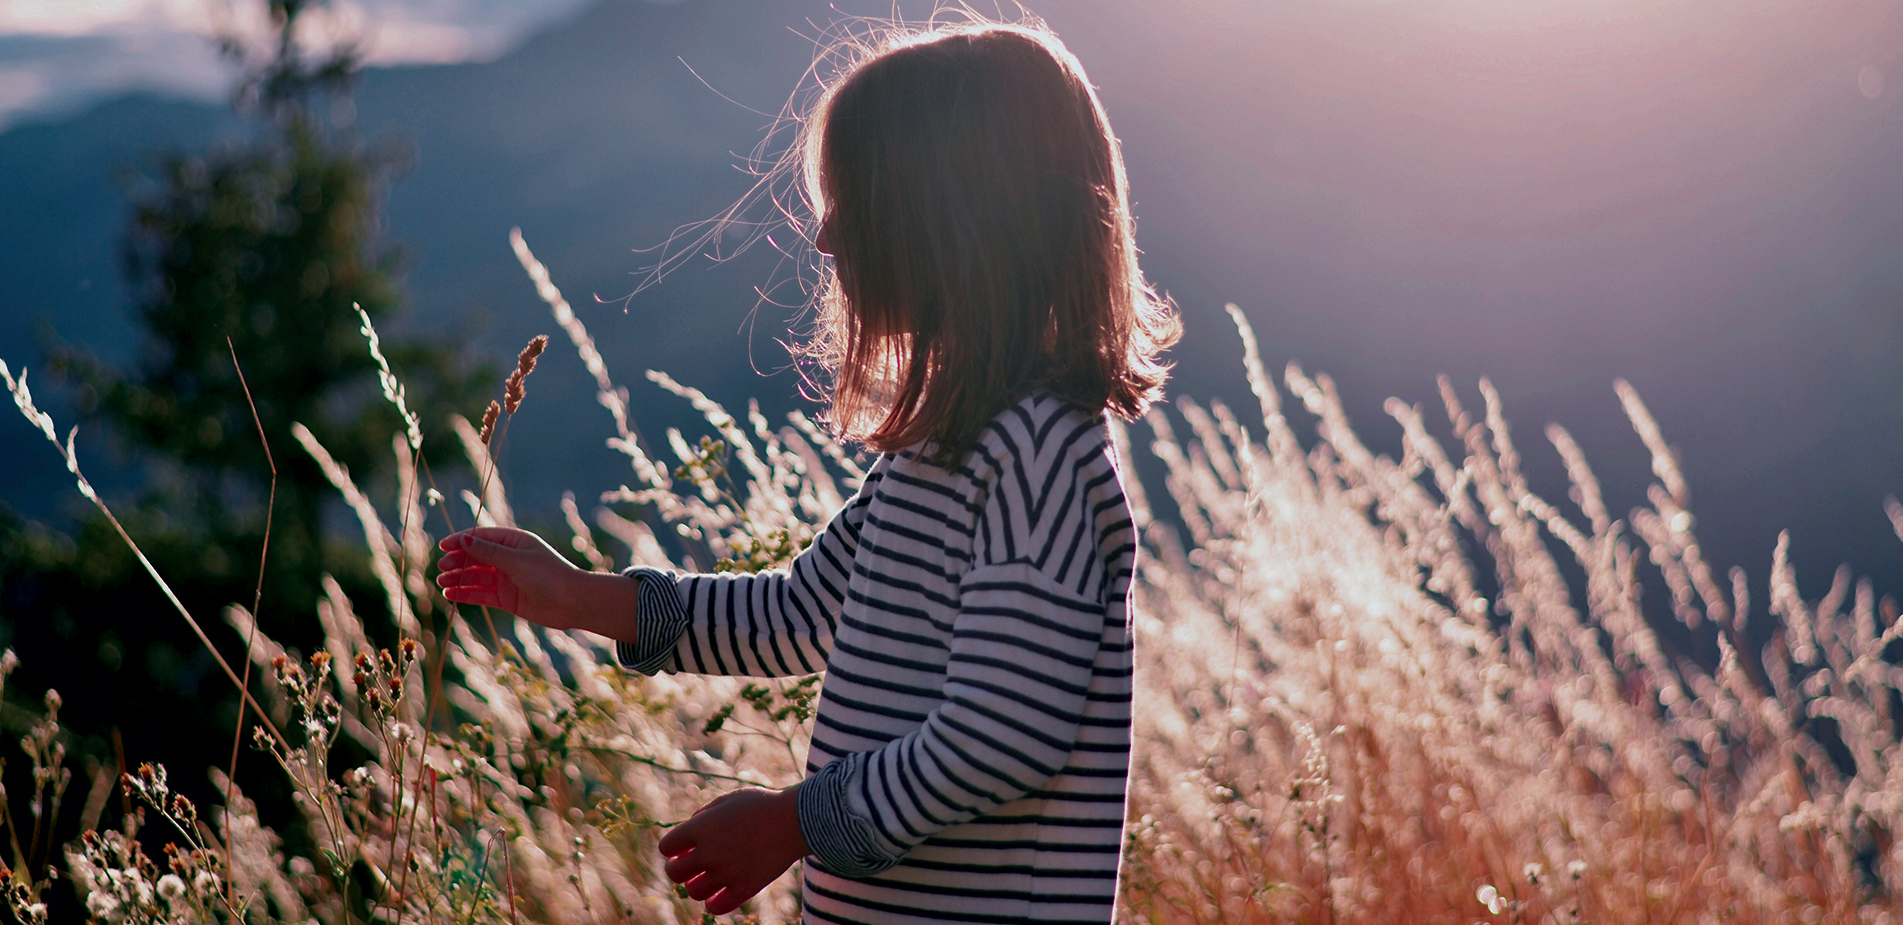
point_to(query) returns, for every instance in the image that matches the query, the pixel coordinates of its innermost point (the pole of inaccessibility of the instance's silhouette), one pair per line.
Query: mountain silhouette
(1709, 208)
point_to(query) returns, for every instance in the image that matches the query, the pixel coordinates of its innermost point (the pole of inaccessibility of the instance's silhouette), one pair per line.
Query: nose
(825, 241)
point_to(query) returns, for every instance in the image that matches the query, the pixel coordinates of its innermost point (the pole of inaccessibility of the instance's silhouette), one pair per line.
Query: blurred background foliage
(256, 251)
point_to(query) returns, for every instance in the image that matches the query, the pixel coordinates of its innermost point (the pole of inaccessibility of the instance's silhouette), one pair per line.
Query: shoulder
(1040, 435)
(1048, 478)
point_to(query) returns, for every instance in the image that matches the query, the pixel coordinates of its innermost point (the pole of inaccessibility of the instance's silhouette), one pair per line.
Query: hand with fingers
(734, 846)
(516, 571)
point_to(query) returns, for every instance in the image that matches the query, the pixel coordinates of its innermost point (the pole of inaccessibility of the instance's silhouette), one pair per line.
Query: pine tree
(262, 249)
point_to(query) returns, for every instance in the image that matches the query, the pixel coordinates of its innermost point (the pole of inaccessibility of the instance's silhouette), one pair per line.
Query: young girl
(970, 604)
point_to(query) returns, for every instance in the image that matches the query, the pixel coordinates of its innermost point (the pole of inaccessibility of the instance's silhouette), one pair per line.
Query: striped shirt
(972, 743)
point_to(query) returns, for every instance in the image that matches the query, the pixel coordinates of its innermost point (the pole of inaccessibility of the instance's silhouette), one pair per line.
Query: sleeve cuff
(841, 841)
(659, 623)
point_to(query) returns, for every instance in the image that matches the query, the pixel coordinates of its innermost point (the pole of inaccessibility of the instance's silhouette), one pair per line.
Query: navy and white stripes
(971, 747)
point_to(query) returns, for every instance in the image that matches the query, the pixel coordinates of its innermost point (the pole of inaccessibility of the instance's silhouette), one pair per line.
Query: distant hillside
(1712, 209)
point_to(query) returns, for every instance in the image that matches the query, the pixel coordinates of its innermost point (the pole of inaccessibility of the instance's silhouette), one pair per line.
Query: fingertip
(722, 903)
(675, 843)
(702, 888)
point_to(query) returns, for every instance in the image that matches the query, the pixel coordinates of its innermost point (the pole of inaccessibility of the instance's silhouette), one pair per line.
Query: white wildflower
(102, 905)
(171, 888)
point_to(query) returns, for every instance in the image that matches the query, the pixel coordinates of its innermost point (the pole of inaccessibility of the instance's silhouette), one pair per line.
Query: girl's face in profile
(825, 241)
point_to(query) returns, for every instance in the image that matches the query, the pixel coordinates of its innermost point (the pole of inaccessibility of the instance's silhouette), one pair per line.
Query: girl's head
(972, 197)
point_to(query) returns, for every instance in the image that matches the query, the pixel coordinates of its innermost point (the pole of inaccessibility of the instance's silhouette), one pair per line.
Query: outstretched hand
(514, 570)
(734, 846)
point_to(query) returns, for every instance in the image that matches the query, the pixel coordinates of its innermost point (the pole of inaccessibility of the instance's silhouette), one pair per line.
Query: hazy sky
(56, 55)
(1702, 197)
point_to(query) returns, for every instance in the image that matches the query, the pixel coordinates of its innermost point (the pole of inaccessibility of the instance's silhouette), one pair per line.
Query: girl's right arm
(515, 570)
(766, 624)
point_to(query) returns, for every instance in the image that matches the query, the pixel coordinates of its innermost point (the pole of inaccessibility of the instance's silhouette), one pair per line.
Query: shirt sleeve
(1026, 642)
(766, 624)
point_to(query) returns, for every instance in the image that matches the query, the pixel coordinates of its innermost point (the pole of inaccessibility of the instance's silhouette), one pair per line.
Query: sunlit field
(1371, 690)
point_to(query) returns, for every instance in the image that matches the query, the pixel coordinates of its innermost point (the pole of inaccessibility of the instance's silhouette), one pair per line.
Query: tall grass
(1368, 693)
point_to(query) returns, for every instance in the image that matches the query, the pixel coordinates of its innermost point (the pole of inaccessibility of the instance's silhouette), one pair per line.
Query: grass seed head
(489, 416)
(524, 364)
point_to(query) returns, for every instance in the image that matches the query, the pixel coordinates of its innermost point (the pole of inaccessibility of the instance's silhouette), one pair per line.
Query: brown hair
(973, 198)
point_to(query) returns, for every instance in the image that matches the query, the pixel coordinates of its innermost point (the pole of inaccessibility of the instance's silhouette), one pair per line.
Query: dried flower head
(183, 810)
(524, 364)
(489, 416)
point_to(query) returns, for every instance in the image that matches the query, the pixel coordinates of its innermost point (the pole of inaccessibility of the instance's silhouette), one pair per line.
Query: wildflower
(1490, 898)
(171, 888)
(183, 810)
(489, 416)
(1535, 873)
(1576, 869)
(102, 905)
(524, 364)
(149, 783)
